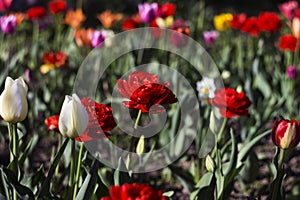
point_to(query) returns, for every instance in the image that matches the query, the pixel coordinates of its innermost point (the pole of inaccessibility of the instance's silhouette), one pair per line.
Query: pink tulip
(5, 5)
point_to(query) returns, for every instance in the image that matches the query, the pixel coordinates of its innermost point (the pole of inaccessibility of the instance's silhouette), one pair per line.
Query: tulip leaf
(184, 176)
(233, 157)
(121, 177)
(89, 184)
(12, 180)
(204, 187)
(247, 147)
(44, 191)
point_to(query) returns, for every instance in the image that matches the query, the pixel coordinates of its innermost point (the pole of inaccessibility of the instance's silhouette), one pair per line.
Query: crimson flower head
(57, 6)
(58, 58)
(251, 26)
(231, 103)
(144, 92)
(269, 22)
(166, 9)
(101, 120)
(287, 42)
(52, 122)
(286, 133)
(238, 20)
(131, 23)
(178, 38)
(36, 12)
(135, 191)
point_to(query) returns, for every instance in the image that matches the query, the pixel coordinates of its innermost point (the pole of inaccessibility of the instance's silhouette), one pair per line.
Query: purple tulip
(148, 12)
(8, 24)
(291, 72)
(97, 38)
(210, 36)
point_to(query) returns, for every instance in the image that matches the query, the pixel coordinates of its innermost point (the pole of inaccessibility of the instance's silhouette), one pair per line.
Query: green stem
(13, 134)
(219, 137)
(58, 148)
(132, 141)
(78, 170)
(296, 52)
(72, 167)
(279, 177)
(137, 119)
(79, 4)
(222, 130)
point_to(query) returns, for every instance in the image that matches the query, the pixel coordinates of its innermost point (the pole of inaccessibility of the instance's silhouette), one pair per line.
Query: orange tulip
(83, 37)
(108, 19)
(74, 18)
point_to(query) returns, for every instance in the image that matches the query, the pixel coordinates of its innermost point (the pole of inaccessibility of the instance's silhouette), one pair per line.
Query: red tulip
(52, 123)
(287, 42)
(286, 133)
(231, 103)
(57, 6)
(101, 120)
(238, 20)
(269, 21)
(251, 26)
(36, 12)
(144, 91)
(134, 191)
(166, 9)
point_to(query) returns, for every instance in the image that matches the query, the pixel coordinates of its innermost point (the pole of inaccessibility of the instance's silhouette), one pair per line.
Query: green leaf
(233, 158)
(184, 176)
(89, 184)
(205, 187)
(12, 180)
(44, 191)
(247, 147)
(121, 177)
(262, 84)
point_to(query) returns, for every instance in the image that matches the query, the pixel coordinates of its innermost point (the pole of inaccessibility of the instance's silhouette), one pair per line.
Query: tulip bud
(296, 27)
(13, 101)
(286, 133)
(73, 118)
(210, 164)
(140, 148)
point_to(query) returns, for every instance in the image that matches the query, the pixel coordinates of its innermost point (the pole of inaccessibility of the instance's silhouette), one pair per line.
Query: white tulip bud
(73, 118)
(13, 100)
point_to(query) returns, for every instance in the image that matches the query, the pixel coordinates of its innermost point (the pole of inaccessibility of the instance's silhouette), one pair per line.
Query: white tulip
(13, 101)
(73, 119)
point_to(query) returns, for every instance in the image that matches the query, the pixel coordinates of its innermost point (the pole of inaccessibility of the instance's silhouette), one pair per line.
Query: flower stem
(13, 134)
(222, 130)
(72, 167)
(279, 177)
(132, 141)
(58, 147)
(219, 137)
(78, 170)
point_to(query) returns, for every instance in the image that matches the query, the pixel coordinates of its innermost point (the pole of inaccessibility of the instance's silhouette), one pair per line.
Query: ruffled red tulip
(251, 26)
(36, 13)
(231, 103)
(287, 42)
(166, 9)
(57, 6)
(269, 21)
(52, 123)
(145, 92)
(57, 58)
(131, 23)
(101, 120)
(134, 191)
(286, 133)
(238, 20)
